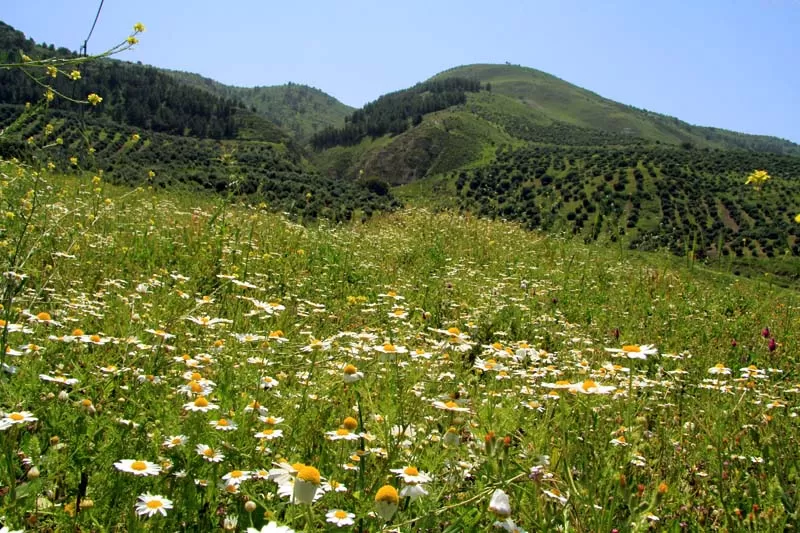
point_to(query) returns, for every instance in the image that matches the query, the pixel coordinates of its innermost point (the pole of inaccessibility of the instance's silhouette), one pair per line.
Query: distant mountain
(556, 100)
(150, 120)
(299, 109)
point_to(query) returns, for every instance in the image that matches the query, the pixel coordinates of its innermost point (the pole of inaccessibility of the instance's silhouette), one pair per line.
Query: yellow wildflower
(75, 75)
(757, 178)
(94, 99)
(138, 27)
(52, 71)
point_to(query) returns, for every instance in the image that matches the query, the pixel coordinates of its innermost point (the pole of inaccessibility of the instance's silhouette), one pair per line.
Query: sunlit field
(176, 362)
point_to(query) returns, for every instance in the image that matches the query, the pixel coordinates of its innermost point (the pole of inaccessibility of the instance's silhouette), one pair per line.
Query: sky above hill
(727, 63)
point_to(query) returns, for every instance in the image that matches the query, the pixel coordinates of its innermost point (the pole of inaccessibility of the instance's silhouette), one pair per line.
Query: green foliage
(178, 295)
(298, 109)
(687, 201)
(394, 113)
(258, 171)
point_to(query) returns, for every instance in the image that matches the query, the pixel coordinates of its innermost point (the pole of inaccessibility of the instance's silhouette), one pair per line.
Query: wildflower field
(178, 362)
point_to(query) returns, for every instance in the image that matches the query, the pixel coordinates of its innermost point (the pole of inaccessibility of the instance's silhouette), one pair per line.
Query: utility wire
(86, 42)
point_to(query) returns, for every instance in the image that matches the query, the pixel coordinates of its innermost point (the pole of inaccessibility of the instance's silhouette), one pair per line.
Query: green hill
(299, 109)
(555, 100)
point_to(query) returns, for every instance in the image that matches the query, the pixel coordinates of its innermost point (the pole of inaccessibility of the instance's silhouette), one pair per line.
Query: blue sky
(726, 63)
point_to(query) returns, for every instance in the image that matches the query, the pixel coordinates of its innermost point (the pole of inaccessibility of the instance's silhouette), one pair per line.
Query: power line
(97, 16)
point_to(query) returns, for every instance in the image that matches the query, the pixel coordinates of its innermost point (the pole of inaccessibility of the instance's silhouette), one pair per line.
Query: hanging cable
(86, 42)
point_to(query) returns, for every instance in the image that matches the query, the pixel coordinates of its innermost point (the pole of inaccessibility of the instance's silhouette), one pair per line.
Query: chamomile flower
(450, 405)
(269, 434)
(175, 441)
(208, 322)
(591, 387)
(200, 404)
(138, 467)
(271, 527)
(224, 424)
(150, 504)
(411, 475)
(306, 484)
(271, 420)
(18, 417)
(209, 454)
(350, 374)
(719, 368)
(635, 351)
(341, 434)
(390, 349)
(386, 502)
(268, 382)
(340, 518)
(236, 476)
(41, 318)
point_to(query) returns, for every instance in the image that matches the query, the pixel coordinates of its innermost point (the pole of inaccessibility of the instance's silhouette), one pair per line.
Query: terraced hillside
(260, 171)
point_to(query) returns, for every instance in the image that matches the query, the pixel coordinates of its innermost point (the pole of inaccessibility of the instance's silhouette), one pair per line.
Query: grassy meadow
(179, 362)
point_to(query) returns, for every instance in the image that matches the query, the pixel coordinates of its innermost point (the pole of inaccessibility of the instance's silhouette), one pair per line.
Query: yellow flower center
(208, 452)
(201, 402)
(342, 431)
(562, 382)
(95, 338)
(309, 474)
(588, 384)
(298, 466)
(195, 386)
(411, 471)
(399, 311)
(176, 440)
(275, 334)
(631, 348)
(222, 422)
(350, 423)
(196, 376)
(271, 421)
(497, 346)
(86, 402)
(43, 316)
(16, 417)
(340, 515)
(138, 466)
(450, 404)
(389, 347)
(77, 332)
(387, 494)
(453, 331)
(154, 504)
(236, 473)
(350, 370)
(268, 431)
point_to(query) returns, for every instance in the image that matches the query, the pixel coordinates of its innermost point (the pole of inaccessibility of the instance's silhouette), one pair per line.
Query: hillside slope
(299, 109)
(558, 100)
